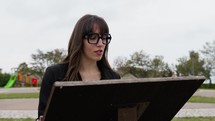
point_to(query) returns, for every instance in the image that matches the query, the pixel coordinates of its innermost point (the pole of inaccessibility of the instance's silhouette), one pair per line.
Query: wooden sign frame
(142, 99)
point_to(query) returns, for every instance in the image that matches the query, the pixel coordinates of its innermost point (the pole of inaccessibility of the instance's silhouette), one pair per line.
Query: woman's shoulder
(57, 67)
(55, 72)
(58, 71)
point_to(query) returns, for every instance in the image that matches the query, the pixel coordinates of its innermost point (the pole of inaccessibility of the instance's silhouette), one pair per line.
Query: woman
(86, 59)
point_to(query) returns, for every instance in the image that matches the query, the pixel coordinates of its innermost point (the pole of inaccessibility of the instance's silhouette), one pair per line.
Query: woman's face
(93, 52)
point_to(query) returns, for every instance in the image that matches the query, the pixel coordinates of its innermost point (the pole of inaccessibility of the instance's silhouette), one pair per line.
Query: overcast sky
(170, 28)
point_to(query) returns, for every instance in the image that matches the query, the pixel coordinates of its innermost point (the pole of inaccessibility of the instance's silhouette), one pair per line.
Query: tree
(121, 66)
(208, 52)
(23, 68)
(4, 77)
(191, 66)
(141, 65)
(136, 65)
(42, 60)
(182, 69)
(159, 68)
(140, 60)
(120, 62)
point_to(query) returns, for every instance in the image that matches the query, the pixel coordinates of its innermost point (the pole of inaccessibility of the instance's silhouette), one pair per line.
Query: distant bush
(4, 79)
(207, 86)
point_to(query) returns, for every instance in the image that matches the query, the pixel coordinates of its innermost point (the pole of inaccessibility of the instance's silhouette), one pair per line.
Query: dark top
(57, 73)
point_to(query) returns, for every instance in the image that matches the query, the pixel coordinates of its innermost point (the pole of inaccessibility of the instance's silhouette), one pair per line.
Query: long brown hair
(83, 26)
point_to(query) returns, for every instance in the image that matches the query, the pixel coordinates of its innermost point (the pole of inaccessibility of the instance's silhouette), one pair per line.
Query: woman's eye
(104, 37)
(93, 37)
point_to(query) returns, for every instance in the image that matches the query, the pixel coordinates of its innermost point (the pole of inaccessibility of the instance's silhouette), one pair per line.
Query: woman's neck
(89, 70)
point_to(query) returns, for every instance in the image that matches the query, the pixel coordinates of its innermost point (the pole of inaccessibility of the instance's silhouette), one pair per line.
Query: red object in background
(18, 77)
(34, 81)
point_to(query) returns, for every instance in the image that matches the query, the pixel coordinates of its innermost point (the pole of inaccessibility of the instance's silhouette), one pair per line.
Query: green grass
(207, 86)
(21, 119)
(195, 119)
(198, 99)
(19, 95)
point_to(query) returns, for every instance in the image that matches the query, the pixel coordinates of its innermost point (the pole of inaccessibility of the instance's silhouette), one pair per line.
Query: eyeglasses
(93, 38)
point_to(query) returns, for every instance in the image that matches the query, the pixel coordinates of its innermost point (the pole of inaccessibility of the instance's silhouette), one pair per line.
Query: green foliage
(158, 68)
(4, 77)
(192, 66)
(41, 60)
(209, 54)
(141, 65)
(23, 68)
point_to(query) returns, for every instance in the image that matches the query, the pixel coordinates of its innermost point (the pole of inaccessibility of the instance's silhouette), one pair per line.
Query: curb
(181, 114)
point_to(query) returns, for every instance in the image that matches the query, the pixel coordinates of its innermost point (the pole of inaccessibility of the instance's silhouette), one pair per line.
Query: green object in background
(11, 81)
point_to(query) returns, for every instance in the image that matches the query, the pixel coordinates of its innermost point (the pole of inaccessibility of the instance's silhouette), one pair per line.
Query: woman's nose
(100, 43)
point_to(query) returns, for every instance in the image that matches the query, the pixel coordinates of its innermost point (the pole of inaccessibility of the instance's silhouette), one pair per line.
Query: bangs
(93, 22)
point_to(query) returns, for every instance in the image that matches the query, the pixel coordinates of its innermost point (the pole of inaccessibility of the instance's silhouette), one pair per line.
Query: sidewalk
(27, 108)
(205, 93)
(199, 109)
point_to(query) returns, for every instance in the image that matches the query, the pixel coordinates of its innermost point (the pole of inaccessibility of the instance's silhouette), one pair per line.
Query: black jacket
(57, 73)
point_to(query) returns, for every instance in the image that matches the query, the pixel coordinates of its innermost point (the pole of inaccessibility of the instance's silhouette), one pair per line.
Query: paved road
(27, 108)
(205, 93)
(19, 104)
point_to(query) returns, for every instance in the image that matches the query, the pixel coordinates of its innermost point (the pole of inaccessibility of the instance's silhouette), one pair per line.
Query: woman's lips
(99, 52)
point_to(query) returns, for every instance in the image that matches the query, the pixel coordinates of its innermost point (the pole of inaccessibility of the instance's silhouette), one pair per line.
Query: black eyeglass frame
(100, 36)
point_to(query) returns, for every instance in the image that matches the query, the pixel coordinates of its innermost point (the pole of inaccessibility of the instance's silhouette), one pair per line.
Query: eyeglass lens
(93, 38)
